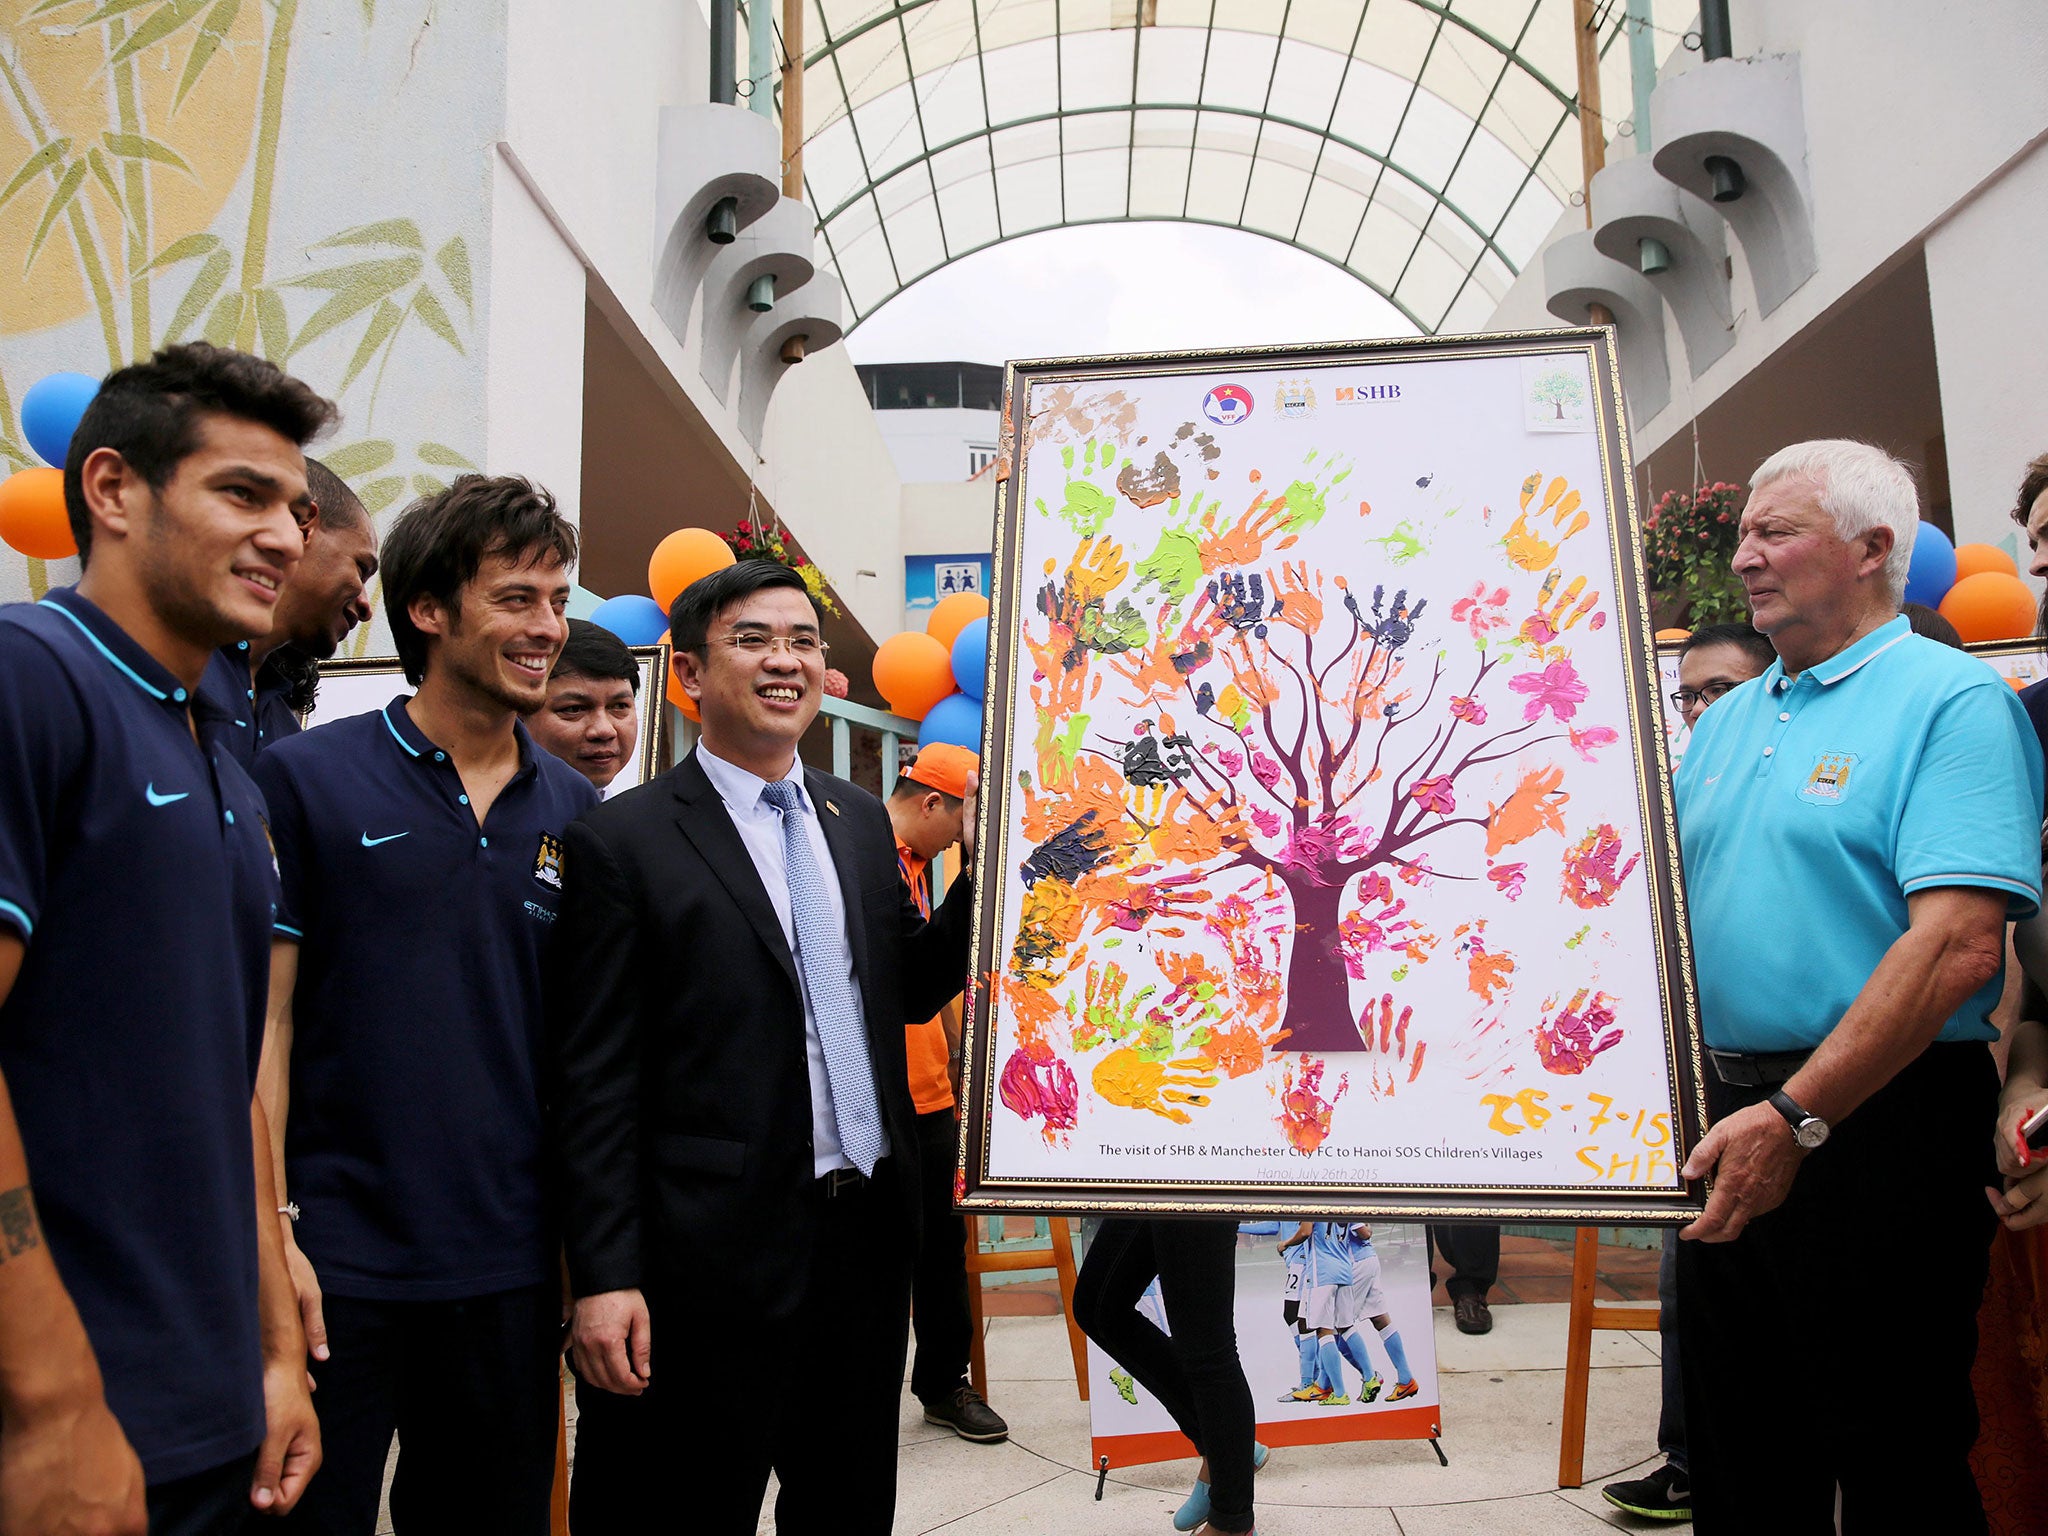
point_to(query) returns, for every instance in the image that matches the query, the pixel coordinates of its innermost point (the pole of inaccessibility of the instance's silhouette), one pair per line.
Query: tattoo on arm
(18, 1229)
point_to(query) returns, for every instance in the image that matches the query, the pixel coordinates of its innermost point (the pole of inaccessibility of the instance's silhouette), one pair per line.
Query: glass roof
(1426, 148)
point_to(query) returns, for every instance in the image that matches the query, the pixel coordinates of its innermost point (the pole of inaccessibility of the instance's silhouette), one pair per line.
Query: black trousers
(1670, 1374)
(938, 1284)
(733, 1399)
(210, 1503)
(1831, 1343)
(468, 1386)
(1195, 1372)
(1473, 1254)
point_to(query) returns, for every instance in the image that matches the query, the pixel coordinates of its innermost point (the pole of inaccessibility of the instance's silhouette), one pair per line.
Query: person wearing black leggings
(1194, 1372)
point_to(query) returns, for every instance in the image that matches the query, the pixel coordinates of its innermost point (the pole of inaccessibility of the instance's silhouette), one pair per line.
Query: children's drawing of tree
(1300, 744)
(1560, 388)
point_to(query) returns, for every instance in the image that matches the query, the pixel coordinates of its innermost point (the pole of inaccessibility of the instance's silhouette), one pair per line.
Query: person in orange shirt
(925, 808)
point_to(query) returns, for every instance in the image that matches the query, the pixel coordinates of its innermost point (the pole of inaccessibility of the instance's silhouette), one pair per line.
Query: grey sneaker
(968, 1416)
(1666, 1494)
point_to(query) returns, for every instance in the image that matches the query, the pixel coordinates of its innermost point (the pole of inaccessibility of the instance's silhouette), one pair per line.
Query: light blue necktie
(833, 1002)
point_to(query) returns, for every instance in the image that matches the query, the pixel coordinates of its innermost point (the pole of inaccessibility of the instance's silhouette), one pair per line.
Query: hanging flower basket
(751, 541)
(1689, 542)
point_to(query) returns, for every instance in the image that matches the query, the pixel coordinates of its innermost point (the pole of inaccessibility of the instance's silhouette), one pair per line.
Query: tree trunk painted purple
(1318, 1016)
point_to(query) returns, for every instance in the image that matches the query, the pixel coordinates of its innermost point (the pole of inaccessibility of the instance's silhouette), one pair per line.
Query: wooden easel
(1058, 1255)
(1586, 1316)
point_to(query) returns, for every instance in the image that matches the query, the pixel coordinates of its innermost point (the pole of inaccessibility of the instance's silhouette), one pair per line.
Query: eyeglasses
(1683, 699)
(754, 642)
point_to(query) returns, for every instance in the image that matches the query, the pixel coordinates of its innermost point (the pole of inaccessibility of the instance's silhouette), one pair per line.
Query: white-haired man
(1879, 796)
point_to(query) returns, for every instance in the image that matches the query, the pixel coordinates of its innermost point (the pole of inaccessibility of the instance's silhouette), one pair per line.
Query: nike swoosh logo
(371, 842)
(154, 798)
(1713, 778)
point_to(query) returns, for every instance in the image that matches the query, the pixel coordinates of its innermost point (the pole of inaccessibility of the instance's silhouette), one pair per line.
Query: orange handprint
(1294, 603)
(1384, 1033)
(1244, 542)
(1536, 805)
(1124, 1077)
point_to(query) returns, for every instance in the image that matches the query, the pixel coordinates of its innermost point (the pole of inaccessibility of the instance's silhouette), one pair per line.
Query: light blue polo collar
(1846, 661)
(117, 647)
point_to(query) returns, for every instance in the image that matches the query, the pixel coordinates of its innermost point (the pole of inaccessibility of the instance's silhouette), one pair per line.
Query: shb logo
(1348, 394)
(1227, 404)
(1296, 399)
(547, 861)
(1828, 783)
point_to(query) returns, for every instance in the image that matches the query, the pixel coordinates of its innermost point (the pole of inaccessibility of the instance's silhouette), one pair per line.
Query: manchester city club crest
(547, 861)
(1829, 780)
(1296, 399)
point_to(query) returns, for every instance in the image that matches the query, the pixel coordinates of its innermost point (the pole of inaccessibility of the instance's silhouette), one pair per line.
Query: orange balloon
(32, 517)
(913, 672)
(1666, 635)
(1990, 606)
(682, 700)
(952, 615)
(1976, 559)
(681, 558)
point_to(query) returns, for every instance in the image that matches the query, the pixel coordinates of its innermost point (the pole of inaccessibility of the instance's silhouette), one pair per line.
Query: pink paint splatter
(1265, 770)
(1037, 1084)
(1590, 878)
(1471, 711)
(1479, 611)
(1268, 822)
(1556, 688)
(1304, 1112)
(1434, 794)
(1592, 739)
(1322, 843)
(1508, 878)
(1568, 1040)
(1229, 760)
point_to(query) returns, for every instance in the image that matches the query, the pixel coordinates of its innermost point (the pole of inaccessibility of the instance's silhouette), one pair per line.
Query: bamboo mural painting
(157, 158)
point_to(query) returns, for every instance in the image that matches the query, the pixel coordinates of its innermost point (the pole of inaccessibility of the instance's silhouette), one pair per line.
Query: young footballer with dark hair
(421, 856)
(151, 1362)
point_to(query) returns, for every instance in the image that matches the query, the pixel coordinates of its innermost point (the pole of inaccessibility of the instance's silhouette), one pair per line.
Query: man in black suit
(737, 962)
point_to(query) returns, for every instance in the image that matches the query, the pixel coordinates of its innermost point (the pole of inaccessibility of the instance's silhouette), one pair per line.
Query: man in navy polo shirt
(143, 1303)
(1858, 824)
(421, 854)
(262, 686)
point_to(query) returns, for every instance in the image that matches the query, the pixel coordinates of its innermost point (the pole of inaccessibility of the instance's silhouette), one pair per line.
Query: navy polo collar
(420, 748)
(118, 648)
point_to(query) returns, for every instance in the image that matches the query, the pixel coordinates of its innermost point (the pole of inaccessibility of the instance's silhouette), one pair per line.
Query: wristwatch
(1808, 1130)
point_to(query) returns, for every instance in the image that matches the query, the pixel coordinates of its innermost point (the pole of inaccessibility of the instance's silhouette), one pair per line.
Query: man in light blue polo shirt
(1858, 824)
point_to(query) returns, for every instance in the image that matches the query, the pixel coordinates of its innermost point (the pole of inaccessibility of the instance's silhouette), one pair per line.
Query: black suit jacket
(681, 1098)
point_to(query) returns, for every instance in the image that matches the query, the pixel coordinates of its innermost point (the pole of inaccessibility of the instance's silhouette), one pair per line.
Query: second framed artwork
(1330, 860)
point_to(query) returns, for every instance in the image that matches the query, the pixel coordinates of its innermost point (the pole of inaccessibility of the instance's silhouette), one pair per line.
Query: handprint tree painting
(1326, 792)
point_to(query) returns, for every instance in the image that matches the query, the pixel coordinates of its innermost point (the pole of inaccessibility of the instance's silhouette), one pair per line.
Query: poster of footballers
(1330, 849)
(1333, 1329)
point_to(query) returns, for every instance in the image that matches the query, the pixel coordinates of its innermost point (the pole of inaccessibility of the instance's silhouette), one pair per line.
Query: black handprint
(1241, 601)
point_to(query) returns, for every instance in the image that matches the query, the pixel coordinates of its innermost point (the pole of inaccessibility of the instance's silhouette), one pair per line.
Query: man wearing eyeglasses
(733, 1114)
(1715, 659)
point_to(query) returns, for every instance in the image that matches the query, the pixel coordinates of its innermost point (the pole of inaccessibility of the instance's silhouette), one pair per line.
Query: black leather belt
(1769, 1071)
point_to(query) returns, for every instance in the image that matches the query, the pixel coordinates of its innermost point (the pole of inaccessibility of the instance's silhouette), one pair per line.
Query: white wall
(1984, 270)
(584, 100)
(932, 444)
(828, 462)
(949, 517)
(533, 410)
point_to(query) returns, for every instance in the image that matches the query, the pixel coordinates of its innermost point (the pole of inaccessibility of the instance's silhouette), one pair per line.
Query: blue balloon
(955, 720)
(634, 619)
(1933, 570)
(970, 658)
(50, 412)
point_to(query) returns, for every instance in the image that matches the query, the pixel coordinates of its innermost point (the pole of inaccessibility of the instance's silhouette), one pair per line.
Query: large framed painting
(1330, 858)
(355, 685)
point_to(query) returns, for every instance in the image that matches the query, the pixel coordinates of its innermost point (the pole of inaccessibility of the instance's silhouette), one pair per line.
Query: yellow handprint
(1124, 1077)
(1526, 548)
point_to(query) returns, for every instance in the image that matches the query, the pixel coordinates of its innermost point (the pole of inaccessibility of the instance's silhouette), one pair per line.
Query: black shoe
(1666, 1494)
(968, 1416)
(1472, 1313)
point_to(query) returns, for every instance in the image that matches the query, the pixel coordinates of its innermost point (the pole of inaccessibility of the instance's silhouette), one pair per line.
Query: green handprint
(1403, 544)
(1106, 1014)
(1175, 564)
(1088, 505)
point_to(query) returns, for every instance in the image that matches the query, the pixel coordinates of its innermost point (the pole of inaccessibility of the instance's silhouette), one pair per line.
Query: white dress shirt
(759, 825)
